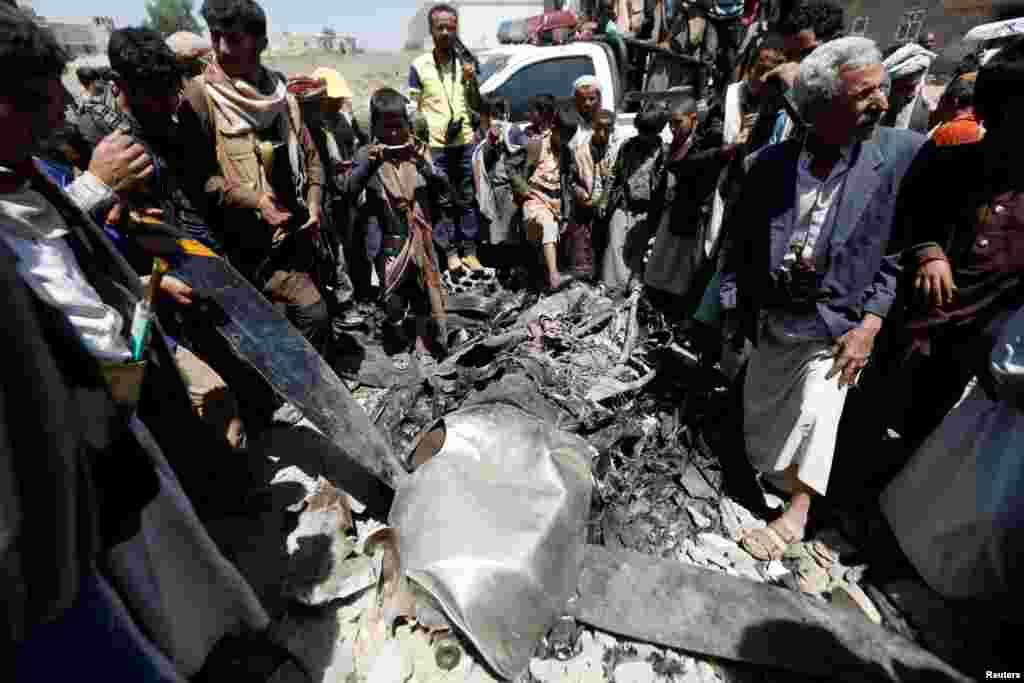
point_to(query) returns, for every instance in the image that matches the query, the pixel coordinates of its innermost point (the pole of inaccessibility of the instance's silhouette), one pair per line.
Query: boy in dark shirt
(406, 197)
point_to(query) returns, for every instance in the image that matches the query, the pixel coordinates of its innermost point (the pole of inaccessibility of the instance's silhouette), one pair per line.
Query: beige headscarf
(242, 109)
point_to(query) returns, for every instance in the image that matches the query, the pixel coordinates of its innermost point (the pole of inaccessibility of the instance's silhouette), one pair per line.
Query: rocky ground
(661, 428)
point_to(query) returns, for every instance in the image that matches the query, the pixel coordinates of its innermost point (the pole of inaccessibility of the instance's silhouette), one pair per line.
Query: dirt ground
(365, 71)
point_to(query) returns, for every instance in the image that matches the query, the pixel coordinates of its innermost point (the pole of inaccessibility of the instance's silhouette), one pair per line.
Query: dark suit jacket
(941, 213)
(862, 274)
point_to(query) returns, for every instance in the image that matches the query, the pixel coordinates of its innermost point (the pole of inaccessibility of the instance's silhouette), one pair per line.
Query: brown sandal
(472, 264)
(771, 542)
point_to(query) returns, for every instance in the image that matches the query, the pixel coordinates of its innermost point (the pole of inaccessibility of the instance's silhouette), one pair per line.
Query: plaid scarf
(241, 108)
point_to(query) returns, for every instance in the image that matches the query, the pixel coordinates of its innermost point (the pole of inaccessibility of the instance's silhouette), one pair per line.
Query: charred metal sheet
(356, 356)
(473, 304)
(690, 608)
(264, 339)
(561, 303)
(494, 526)
(521, 392)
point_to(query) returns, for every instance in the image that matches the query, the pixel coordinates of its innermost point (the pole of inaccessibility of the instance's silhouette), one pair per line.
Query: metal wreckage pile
(557, 515)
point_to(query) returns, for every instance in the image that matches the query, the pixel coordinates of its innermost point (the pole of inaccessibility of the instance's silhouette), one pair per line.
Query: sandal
(456, 280)
(477, 270)
(771, 542)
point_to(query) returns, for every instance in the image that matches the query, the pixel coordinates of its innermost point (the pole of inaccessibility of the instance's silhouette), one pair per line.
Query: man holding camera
(406, 203)
(444, 84)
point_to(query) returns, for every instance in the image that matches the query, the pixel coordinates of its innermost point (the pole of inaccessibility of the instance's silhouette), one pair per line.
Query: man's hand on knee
(852, 350)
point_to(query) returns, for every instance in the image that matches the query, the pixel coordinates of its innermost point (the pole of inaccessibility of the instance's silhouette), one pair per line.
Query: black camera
(796, 289)
(453, 132)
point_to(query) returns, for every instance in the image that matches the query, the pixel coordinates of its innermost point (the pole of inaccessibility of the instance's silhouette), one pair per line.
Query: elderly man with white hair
(811, 279)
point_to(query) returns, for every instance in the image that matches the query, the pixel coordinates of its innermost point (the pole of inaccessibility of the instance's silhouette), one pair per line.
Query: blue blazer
(862, 274)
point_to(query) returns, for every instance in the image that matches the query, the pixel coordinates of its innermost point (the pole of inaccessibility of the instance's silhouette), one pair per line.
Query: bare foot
(771, 542)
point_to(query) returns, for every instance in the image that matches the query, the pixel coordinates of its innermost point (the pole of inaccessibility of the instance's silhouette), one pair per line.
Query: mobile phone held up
(393, 152)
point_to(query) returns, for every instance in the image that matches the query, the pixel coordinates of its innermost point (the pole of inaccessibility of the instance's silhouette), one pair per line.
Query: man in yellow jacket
(445, 94)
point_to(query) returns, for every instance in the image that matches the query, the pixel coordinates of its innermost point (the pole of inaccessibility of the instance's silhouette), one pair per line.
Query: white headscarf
(909, 60)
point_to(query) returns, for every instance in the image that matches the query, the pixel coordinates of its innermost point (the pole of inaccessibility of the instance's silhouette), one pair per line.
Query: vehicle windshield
(490, 65)
(555, 76)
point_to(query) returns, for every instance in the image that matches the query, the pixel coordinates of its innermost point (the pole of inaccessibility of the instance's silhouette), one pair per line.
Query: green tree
(169, 16)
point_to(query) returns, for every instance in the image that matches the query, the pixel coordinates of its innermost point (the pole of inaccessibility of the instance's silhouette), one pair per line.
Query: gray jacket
(862, 272)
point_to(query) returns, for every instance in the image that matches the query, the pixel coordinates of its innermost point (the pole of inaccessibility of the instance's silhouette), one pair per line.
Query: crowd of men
(862, 244)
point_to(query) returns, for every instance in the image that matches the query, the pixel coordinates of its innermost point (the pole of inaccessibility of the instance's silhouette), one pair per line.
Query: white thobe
(791, 411)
